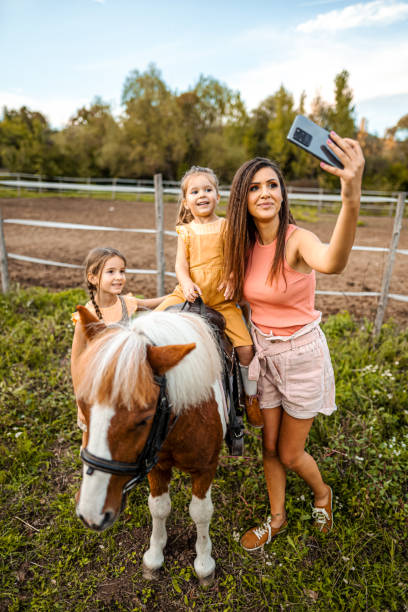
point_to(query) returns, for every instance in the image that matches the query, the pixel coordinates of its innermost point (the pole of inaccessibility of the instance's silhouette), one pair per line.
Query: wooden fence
(158, 189)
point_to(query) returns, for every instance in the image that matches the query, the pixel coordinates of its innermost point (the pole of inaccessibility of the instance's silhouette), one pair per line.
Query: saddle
(231, 378)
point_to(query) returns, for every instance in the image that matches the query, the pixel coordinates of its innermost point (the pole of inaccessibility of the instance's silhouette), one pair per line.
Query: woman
(271, 263)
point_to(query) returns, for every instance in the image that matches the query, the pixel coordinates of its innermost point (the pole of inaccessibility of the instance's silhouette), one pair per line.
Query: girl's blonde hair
(94, 264)
(184, 214)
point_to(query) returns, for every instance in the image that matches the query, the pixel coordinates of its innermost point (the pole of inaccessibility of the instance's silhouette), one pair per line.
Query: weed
(51, 562)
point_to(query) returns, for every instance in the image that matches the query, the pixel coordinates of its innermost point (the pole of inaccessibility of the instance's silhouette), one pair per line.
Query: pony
(152, 397)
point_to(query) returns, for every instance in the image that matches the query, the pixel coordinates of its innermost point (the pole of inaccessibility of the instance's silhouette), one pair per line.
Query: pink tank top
(282, 308)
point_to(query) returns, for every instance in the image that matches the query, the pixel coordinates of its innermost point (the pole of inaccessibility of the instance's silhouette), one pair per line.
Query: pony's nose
(107, 520)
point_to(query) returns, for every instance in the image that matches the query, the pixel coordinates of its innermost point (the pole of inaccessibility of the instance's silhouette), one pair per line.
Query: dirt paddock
(363, 273)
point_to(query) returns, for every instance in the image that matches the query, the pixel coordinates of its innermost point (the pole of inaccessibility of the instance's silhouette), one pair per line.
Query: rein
(149, 455)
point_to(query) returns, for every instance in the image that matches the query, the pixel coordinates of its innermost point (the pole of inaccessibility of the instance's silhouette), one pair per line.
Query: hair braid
(94, 263)
(91, 289)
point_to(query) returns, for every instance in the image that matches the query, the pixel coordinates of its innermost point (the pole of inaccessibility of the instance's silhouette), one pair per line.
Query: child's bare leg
(245, 354)
(254, 414)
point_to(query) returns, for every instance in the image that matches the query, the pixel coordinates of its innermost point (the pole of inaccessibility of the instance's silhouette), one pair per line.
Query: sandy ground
(363, 273)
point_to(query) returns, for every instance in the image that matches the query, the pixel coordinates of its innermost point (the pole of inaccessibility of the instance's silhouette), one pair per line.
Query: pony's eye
(143, 422)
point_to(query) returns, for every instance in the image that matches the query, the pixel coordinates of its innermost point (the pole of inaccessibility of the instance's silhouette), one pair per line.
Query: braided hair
(94, 264)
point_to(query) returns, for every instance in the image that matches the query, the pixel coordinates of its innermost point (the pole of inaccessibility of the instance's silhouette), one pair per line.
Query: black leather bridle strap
(149, 455)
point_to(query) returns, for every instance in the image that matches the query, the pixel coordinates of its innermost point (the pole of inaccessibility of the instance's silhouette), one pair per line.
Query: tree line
(161, 130)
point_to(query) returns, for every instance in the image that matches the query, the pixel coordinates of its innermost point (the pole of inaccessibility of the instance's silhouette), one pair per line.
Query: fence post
(320, 201)
(3, 258)
(113, 188)
(382, 302)
(158, 201)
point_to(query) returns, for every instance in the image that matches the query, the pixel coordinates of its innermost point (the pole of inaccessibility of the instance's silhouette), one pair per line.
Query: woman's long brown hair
(241, 232)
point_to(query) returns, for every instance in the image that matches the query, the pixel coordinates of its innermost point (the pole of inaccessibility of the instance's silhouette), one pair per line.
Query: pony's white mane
(188, 383)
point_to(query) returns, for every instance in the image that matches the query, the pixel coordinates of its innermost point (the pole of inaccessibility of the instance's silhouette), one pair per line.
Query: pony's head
(114, 379)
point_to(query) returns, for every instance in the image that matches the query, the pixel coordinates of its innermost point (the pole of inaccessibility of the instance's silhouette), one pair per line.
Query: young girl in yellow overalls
(200, 267)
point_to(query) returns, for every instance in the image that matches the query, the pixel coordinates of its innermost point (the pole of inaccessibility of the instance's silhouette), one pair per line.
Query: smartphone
(312, 138)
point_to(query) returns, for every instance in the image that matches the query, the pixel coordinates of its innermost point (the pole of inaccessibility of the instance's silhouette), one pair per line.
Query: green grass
(50, 561)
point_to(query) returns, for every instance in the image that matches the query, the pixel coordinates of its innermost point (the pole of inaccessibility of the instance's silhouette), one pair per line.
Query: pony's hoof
(207, 580)
(150, 574)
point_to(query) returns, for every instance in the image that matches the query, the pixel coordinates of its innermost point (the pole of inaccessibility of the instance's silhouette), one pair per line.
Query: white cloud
(375, 70)
(379, 12)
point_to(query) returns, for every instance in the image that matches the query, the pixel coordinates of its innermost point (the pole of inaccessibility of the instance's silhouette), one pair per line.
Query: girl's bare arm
(190, 289)
(151, 302)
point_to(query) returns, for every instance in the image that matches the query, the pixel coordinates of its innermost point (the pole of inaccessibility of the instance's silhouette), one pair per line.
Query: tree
(88, 143)
(153, 125)
(255, 137)
(341, 115)
(279, 148)
(214, 121)
(26, 142)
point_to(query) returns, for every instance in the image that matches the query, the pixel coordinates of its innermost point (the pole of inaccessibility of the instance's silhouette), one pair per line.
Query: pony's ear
(91, 324)
(162, 358)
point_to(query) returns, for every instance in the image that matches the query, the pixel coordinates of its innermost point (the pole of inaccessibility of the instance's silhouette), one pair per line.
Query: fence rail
(371, 200)
(161, 188)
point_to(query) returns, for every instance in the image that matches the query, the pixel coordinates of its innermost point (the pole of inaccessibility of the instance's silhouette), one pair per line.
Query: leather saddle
(231, 379)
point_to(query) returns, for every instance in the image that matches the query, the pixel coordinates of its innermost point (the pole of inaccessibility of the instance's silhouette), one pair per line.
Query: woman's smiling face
(264, 195)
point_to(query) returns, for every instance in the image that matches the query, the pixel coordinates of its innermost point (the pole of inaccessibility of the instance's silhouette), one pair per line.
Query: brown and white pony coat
(114, 385)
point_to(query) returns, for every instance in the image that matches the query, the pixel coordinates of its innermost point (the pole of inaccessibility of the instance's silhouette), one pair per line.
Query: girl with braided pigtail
(105, 279)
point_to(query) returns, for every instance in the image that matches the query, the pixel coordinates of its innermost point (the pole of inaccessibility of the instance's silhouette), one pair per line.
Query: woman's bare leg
(291, 449)
(275, 473)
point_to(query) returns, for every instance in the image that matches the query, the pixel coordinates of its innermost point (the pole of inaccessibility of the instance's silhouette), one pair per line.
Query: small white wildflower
(346, 558)
(235, 536)
(359, 458)
(18, 434)
(352, 567)
(268, 562)
(302, 497)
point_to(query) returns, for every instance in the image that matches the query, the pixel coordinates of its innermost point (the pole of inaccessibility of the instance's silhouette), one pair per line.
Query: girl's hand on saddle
(351, 156)
(190, 290)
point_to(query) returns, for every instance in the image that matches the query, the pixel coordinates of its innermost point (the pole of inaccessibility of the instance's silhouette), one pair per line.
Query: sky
(56, 56)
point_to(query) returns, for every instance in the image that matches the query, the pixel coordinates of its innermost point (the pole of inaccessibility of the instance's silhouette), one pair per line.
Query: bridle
(149, 455)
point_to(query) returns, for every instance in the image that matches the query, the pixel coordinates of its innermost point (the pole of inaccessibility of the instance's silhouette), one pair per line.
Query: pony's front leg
(159, 506)
(201, 511)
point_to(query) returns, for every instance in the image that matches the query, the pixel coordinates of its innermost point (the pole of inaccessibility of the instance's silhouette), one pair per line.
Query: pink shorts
(296, 374)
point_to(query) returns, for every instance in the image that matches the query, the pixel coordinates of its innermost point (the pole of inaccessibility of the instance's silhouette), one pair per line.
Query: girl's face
(112, 278)
(265, 195)
(201, 197)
